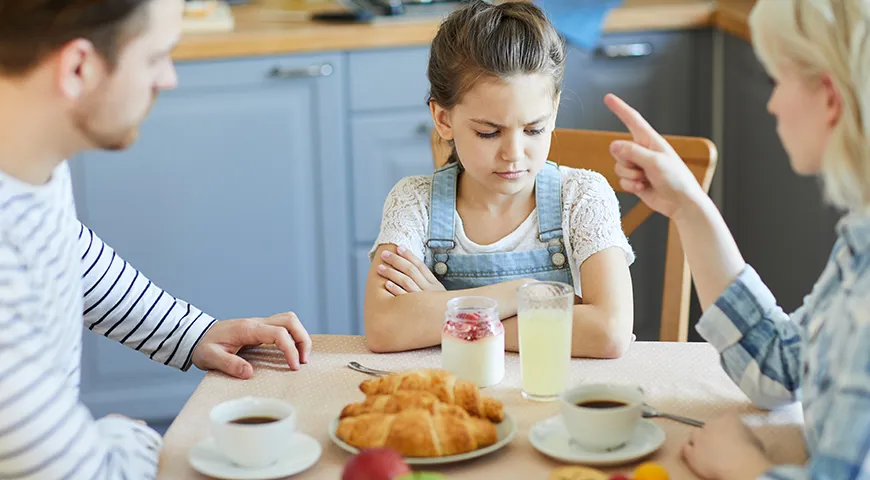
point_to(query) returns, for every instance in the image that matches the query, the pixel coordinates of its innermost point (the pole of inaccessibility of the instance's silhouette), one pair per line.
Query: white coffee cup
(253, 445)
(602, 429)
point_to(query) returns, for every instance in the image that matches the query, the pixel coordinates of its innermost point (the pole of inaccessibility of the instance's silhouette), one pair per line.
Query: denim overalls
(461, 271)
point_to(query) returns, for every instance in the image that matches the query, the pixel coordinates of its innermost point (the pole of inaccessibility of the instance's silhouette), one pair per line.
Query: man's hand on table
(724, 449)
(218, 347)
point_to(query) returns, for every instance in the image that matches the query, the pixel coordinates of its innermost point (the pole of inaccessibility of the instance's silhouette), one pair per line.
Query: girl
(818, 53)
(498, 215)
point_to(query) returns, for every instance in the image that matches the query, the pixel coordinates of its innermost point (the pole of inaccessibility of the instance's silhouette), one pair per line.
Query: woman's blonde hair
(827, 37)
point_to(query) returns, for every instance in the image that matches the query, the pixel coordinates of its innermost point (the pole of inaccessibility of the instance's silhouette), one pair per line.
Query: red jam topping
(472, 326)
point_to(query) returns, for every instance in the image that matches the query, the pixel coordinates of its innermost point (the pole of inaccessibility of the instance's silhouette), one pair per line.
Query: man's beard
(112, 140)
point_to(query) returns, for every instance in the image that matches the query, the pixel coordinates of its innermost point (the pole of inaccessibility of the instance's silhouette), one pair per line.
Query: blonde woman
(818, 54)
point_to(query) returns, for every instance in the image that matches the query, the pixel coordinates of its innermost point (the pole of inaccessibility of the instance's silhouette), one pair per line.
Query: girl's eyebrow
(495, 125)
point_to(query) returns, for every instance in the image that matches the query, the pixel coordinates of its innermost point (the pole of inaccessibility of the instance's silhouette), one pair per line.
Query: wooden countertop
(268, 27)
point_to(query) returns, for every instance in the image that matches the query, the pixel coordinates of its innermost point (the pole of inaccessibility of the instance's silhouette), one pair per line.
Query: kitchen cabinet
(778, 218)
(235, 199)
(390, 127)
(661, 74)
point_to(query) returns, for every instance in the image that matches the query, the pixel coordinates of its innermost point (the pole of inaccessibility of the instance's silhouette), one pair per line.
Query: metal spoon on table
(650, 412)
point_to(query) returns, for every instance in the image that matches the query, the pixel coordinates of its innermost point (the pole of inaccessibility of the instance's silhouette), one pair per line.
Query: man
(76, 75)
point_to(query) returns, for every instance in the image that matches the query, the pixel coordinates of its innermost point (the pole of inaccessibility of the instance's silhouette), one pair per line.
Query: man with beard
(77, 75)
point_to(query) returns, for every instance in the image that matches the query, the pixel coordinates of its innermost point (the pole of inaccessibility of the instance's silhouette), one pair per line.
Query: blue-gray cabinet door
(219, 202)
(385, 148)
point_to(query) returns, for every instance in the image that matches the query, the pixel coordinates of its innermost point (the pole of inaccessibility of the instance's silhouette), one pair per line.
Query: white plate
(551, 438)
(302, 452)
(505, 431)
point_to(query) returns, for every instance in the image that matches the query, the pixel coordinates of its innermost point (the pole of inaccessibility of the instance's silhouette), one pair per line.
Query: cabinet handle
(316, 70)
(625, 50)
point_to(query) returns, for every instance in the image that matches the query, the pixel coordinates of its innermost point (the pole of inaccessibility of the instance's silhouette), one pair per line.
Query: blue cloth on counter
(579, 21)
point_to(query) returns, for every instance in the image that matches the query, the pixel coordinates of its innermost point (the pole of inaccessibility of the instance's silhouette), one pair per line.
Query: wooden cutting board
(207, 16)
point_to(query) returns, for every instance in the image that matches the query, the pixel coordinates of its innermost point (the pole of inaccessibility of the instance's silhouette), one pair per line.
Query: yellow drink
(545, 351)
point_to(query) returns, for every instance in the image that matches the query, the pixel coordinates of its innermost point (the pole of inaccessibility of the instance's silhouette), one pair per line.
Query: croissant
(441, 383)
(395, 403)
(419, 433)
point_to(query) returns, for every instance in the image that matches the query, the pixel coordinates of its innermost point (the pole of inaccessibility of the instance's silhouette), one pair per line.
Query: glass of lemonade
(545, 314)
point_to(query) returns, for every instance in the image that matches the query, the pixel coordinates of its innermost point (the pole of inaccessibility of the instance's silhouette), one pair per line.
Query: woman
(818, 54)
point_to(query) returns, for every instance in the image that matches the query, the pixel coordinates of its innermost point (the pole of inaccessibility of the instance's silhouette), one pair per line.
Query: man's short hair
(30, 30)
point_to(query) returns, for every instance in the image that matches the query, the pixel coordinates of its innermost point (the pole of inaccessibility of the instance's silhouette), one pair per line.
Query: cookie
(574, 472)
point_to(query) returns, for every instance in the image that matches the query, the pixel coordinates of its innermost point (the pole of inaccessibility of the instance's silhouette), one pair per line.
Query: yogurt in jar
(472, 341)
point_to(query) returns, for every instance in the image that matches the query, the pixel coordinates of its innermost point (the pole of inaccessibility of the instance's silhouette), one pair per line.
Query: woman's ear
(441, 119)
(834, 102)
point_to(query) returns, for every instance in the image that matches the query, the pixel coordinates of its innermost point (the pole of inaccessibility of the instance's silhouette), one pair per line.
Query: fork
(371, 371)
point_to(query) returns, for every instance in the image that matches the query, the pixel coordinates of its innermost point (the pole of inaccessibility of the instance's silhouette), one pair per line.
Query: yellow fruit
(577, 473)
(650, 471)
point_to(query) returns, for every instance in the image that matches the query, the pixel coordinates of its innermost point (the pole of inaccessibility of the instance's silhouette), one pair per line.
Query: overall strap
(548, 198)
(442, 208)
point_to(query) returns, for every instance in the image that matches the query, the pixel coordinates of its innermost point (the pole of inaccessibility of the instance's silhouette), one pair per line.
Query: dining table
(684, 378)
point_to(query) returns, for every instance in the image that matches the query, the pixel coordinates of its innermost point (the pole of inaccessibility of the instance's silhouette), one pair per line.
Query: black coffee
(254, 420)
(601, 404)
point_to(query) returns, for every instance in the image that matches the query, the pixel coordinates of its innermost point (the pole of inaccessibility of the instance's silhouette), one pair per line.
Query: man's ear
(80, 69)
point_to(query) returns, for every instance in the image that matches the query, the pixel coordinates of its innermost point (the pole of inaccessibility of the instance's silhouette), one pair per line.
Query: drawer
(258, 71)
(385, 79)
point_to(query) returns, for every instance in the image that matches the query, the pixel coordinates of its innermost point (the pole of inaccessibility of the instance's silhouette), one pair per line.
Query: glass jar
(472, 341)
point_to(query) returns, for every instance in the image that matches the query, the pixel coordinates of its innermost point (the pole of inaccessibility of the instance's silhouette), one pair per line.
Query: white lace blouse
(591, 221)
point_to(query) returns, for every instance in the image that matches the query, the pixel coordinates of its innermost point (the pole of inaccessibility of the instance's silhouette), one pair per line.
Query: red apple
(375, 464)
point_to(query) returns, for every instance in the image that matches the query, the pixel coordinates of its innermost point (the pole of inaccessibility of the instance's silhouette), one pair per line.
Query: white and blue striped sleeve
(45, 431)
(124, 305)
(760, 346)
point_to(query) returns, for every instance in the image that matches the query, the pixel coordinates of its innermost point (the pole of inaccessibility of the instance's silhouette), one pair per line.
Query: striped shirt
(56, 276)
(819, 355)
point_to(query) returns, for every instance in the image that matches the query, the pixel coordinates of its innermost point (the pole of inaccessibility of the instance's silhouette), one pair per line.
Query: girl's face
(806, 113)
(502, 130)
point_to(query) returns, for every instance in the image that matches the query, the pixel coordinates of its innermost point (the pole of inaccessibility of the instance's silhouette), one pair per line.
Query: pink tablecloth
(682, 378)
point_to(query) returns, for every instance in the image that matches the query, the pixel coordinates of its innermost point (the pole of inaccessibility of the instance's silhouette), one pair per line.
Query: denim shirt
(819, 355)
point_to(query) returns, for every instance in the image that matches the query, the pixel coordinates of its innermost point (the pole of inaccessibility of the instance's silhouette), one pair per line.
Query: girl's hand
(648, 166)
(725, 448)
(405, 273)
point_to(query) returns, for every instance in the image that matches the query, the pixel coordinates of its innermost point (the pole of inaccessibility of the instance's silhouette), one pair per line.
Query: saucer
(551, 438)
(302, 452)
